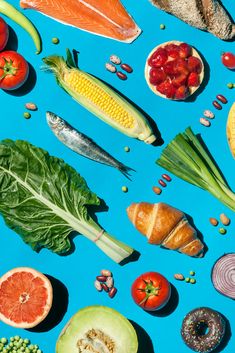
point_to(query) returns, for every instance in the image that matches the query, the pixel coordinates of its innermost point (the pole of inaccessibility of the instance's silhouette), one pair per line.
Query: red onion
(223, 275)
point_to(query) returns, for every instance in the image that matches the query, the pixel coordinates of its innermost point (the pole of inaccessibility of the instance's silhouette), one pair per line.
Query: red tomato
(151, 291)
(14, 70)
(228, 59)
(4, 34)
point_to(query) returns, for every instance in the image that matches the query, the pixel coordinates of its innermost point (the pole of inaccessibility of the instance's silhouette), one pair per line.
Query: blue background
(78, 270)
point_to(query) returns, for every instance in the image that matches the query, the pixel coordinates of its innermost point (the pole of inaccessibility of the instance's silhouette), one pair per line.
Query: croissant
(208, 15)
(166, 226)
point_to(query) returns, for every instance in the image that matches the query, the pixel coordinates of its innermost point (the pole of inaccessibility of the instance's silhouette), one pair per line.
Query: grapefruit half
(25, 297)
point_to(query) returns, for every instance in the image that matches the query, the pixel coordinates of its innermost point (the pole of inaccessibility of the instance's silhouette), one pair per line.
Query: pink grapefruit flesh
(25, 297)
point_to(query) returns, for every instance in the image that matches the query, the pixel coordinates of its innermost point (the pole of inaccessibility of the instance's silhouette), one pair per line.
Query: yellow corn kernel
(82, 85)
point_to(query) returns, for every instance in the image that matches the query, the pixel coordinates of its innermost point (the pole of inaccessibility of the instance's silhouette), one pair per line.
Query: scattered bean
(105, 287)
(112, 292)
(98, 286)
(192, 273)
(115, 59)
(187, 279)
(162, 26)
(101, 278)
(127, 68)
(31, 106)
(121, 75)
(222, 99)
(208, 114)
(124, 189)
(224, 219)
(205, 122)
(222, 231)
(127, 149)
(106, 273)
(229, 85)
(55, 40)
(179, 276)
(110, 282)
(110, 67)
(213, 221)
(27, 115)
(217, 105)
(166, 177)
(192, 280)
(157, 190)
(162, 183)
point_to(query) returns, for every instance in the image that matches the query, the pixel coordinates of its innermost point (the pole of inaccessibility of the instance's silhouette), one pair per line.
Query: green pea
(222, 231)
(124, 188)
(229, 85)
(26, 341)
(192, 281)
(17, 338)
(162, 26)
(12, 339)
(4, 340)
(187, 279)
(55, 40)
(39, 351)
(192, 273)
(31, 347)
(233, 85)
(127, 149)
(27, 115)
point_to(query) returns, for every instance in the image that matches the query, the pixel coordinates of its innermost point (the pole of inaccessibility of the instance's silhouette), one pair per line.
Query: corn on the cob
(100, 99)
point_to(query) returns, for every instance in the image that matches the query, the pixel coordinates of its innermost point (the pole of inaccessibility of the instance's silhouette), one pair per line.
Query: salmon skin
(107, 18)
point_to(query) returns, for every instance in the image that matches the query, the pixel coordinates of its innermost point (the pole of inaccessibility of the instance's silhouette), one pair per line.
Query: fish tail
(125, 170)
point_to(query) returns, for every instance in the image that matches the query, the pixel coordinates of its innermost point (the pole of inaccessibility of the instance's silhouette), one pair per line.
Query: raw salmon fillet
(107, 18)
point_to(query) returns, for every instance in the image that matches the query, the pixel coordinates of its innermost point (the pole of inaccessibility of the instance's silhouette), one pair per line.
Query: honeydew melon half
(97, 329)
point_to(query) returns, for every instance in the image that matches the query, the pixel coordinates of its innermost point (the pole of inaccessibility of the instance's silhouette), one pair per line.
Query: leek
(186, 157)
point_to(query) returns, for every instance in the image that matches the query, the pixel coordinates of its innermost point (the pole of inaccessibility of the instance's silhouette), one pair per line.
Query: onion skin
(223, 275)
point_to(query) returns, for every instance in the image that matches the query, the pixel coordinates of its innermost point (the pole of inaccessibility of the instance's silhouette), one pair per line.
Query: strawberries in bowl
(174, 70)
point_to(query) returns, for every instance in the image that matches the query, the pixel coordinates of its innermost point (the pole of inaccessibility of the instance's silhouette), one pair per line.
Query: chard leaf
(42, 198)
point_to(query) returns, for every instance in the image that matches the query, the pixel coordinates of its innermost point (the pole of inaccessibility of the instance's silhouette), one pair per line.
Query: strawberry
(170, 68)
(156, 76)
(193, 80)
(172, 50)
(158, 58)
(181, 93)
(166, 88)
(184, 50)
(179, 80)
(181, 66)
(194, 64)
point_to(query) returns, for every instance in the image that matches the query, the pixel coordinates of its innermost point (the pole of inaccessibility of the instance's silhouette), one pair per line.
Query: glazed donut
(203, 329)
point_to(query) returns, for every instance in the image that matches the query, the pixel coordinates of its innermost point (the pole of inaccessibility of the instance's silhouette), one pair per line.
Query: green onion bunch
(186, 157)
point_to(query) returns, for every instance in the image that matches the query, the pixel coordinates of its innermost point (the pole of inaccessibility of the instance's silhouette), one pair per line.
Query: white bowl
(192, 90)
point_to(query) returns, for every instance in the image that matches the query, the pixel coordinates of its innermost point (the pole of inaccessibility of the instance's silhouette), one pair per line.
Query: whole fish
(82, 144)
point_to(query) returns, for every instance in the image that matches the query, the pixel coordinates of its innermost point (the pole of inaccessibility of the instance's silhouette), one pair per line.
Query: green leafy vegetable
(186, 157)
(44, 199)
